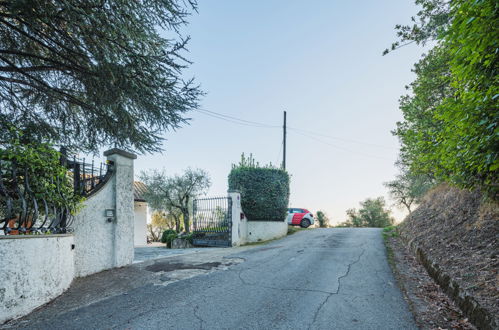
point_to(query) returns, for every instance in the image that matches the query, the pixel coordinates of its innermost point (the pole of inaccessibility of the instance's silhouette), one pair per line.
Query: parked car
(300, 217)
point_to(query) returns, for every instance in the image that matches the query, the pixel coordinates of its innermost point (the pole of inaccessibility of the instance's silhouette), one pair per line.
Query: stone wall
(34, 270)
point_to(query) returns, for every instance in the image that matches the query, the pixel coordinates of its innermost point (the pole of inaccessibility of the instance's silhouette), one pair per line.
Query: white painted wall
(246, 231)
(33, 271)
(141, 215)
(239, 224)
(101, 244)
(36, 269)
(94, 235)
(266, 230)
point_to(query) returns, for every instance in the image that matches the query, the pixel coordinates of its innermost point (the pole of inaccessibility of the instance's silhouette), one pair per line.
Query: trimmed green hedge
(264, 190)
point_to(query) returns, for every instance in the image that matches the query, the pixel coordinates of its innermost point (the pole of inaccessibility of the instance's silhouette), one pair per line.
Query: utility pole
(284, 143)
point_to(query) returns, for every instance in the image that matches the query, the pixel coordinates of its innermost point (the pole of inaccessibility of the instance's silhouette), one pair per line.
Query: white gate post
(123, 194)
(239, 224)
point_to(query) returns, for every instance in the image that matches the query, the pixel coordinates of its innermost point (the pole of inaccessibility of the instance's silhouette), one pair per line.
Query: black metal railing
(87, 177)
(26, 208)
(212, 221)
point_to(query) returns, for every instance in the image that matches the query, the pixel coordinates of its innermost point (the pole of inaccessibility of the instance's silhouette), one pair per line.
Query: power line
(340, 148)
(250, 123)
(235, 120)
(310, 134)
(337, 138)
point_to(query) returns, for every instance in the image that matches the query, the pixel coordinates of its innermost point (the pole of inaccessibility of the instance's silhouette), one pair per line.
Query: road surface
(315, 279)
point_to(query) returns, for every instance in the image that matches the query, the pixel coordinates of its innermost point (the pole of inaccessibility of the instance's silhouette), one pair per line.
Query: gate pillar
(239, 222)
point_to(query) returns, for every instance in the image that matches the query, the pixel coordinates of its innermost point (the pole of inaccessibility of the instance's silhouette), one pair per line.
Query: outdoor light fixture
(110, 215)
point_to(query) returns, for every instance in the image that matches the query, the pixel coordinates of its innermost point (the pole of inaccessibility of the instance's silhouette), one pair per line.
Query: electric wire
(337, 138)
(340, 148)
(235, 120)
(310, 134)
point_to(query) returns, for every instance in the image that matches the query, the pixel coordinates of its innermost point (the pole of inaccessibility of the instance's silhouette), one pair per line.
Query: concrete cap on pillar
(116, 151)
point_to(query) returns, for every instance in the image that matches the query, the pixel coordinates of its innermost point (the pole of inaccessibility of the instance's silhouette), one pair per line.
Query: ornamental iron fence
(28, 208)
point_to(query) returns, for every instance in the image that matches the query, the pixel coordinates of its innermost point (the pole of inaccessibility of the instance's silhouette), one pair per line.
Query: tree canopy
(407, 189)
(372, 213)
(173, 194)
(91, 73)
(450, 129)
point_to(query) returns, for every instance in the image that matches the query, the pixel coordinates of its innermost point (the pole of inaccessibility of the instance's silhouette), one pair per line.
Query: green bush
(189, 237)
(168, 236)
(264, 190)
(39, 174)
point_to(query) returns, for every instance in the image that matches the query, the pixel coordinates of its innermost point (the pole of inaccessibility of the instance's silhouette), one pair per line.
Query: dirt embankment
(455, 235)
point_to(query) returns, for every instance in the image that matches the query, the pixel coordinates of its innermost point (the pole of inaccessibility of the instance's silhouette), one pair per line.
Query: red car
(300, 217)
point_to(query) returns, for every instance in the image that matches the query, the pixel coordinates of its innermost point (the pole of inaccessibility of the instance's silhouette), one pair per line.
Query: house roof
(139, 188)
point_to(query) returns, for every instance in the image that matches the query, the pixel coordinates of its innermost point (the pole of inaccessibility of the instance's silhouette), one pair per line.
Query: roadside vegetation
(294, 229)
(373, 212)
(448, 179)
(322, 219)
(33, 172)
(264, 189)
(450, 129)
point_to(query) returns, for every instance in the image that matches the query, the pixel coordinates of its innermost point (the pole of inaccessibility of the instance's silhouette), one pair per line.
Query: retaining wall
(478, 315)
(34, 270)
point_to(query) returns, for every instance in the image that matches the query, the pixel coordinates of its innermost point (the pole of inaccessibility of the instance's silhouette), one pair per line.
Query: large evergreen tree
(88, 73)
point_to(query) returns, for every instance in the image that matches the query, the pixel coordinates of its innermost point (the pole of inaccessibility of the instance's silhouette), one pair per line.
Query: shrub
(323, 219)
(264, 190)
(32, 177)
(189, 237)
(168, 236)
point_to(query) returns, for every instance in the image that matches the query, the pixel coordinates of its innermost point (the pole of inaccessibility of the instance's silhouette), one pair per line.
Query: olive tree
(175, 193)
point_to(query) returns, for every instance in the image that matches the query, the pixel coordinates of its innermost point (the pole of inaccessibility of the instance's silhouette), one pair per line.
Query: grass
(294, 229)
(388, 232)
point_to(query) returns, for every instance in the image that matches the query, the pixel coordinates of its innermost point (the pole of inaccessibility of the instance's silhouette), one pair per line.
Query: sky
(320, 61)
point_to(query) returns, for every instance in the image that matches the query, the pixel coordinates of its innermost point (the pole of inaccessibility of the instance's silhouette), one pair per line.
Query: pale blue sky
(318, 60)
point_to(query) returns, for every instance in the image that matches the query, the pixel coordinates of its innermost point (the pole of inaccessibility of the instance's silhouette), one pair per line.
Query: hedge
(264, 191)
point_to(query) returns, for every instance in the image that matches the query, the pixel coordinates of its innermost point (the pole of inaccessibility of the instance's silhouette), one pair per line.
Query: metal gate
(212, 221)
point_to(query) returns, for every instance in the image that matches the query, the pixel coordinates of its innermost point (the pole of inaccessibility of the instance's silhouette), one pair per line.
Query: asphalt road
(314, 279)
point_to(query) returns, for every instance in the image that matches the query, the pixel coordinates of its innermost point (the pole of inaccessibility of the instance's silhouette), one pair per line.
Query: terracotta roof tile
(139, 188)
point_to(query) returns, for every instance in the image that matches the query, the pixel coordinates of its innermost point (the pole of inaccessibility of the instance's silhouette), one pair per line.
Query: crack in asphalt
(127, 321)
(196, 308)
(243, 281)
(337, 291)
(385, 284)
